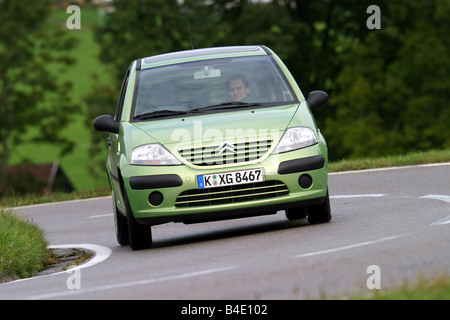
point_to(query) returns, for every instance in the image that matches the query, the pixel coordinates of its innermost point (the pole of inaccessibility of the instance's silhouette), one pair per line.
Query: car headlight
(295, 138)
(153, 155)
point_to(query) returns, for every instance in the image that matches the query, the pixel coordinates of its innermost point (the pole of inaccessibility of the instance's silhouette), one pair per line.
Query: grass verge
(413, 158)
(23, 248)
(24, 252)
(29, 199)
(425, 289)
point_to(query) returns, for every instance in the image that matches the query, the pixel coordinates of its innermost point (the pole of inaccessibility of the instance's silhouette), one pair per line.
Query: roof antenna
(190, 35)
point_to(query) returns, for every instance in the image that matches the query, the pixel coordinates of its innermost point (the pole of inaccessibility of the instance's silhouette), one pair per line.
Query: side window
(122, 96)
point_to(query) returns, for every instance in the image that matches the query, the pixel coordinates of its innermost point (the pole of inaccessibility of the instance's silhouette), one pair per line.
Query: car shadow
(230, 232)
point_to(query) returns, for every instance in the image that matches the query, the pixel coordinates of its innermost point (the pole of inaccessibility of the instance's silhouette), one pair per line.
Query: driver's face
(238, 90)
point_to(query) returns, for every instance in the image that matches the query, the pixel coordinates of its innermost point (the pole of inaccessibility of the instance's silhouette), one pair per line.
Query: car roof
(201, 54)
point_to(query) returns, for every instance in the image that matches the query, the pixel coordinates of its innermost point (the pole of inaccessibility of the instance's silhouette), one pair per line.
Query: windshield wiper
(221, 106)
(227, 105)
(159, 113)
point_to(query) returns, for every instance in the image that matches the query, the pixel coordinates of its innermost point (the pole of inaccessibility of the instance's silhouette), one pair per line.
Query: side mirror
(106, 123)
(317, 98)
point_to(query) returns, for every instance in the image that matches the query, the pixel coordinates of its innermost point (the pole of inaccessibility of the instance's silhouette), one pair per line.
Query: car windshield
(217, 84)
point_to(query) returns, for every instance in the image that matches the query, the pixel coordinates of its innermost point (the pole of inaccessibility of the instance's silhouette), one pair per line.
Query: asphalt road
(388, 228)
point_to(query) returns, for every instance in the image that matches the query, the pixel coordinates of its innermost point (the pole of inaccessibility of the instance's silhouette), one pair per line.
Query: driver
(238, 87)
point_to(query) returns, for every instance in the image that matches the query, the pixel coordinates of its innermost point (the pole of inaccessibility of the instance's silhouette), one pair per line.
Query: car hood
(220, 126)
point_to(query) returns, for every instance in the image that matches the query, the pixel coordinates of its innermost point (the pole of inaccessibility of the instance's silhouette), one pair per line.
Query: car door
(115, 147)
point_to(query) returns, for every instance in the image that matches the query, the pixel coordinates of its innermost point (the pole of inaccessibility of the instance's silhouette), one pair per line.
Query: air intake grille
(226, 153)
(231, 194)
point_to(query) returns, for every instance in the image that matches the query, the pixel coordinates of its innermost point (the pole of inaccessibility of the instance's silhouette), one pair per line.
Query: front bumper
(292, 179)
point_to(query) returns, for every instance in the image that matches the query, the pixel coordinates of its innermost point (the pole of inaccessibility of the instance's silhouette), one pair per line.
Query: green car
(213, 134)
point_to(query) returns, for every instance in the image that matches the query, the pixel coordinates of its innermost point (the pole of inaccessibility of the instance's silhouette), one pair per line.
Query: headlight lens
(296, 138)
(153, 155)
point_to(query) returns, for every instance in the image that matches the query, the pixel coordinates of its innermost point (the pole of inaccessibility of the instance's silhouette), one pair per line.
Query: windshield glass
(210, 85)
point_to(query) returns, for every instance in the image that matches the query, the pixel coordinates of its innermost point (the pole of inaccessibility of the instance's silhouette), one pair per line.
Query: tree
(137, 29)
(394, 88)
(31, 99)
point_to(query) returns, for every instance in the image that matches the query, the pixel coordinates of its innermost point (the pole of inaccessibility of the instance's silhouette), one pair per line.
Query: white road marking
(442, 221)
(100, 216)
(101, 253)
(376, 195)
(437, 197)
(129, 284)
(352, 246)
(440, 198)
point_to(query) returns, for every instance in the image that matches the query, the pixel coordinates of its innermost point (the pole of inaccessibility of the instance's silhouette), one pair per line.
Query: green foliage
(101, 100)
(30, 94)
(394, 88)
(135, 29)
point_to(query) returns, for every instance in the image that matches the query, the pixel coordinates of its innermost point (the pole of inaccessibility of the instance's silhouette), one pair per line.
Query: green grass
(29, 199)
(413, 158)
(424, 289)
(23, 248)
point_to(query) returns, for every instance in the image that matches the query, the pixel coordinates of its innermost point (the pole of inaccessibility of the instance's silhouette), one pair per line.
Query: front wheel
(296, 213)
(139, 235)
(320, 213)
(121, 225)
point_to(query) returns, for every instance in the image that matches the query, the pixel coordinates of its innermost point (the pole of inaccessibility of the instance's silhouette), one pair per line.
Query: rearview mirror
(317, 98)
(207, 72)
(106, 123)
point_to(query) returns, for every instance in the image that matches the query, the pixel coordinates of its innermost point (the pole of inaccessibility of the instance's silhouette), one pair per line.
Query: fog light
(305, 181)
(155, 198)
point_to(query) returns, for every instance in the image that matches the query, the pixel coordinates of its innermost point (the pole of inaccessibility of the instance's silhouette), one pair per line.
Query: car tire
(139, 235)
(296, 213)
(320, 213)
(121, 225)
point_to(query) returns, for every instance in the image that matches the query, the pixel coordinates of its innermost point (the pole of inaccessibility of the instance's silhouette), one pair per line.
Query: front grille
(226, 153)
(231, 194)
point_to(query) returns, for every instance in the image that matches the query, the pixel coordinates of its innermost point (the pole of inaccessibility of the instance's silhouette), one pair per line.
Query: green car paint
(182, 151)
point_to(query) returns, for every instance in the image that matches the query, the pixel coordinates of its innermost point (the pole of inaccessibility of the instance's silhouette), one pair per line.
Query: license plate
(229, 178)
